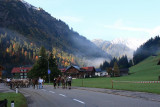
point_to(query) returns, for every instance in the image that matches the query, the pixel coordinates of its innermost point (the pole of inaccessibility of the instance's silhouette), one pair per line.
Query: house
(88, 71)
(62, 70)
(124, 71)
(77, 72)
(20, 72)
(74, 71)
(100, 72)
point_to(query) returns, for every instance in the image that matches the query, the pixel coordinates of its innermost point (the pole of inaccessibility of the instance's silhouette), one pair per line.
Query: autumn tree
(116, 70)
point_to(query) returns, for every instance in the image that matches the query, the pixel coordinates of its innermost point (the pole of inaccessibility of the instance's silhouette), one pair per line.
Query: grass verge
(19, 99)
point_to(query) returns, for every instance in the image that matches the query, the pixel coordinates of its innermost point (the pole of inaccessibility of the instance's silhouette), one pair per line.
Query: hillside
(115, 49)
(149, 48)
(147, 70)
(40, 28)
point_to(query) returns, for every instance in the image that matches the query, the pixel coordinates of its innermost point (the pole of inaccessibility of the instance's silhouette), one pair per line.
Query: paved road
(49, 97)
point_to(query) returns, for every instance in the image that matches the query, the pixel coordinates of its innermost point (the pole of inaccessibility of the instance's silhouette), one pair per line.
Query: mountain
(131, 43)
(149, 48)
(40, 28)
(115, 48)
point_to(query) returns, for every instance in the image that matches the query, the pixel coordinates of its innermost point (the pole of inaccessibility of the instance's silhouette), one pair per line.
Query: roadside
(18, 98)
(142, 95)
(5, 89)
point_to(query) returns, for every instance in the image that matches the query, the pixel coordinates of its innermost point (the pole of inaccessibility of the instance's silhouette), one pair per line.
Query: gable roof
(21, 69)
(76, 67)
(88, 68)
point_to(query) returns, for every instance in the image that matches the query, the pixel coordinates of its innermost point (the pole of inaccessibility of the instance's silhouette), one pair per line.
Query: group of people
(64, 81)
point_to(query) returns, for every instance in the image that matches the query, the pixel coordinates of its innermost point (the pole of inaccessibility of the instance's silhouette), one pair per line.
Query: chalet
(20, 72)
(74, 71)
(77, 72)
(100, 72)
(88, 71)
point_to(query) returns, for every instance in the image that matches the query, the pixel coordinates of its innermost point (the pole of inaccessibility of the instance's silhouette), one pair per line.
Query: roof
(21, 69)
(125, 70)
(76, 67)
(98, 70)
(88, 68)
(62, 69)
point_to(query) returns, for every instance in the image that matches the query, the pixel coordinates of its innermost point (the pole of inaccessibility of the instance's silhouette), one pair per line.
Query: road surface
(49, 97)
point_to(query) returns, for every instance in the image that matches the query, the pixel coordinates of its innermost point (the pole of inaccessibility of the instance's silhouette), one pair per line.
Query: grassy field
(19, 99)
(147, 70)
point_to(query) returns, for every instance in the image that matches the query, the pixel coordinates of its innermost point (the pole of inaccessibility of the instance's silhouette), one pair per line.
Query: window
(21, 77)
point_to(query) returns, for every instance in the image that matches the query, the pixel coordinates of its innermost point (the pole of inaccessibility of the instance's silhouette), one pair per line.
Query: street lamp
(49, 71)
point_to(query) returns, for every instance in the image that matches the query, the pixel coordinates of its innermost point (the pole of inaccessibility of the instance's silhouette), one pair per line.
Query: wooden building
(77, 72)
(20, 72)
(74, 71)
(124, 71)
(88, 71)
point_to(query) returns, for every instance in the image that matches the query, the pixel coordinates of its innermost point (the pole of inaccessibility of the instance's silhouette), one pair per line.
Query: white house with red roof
(20, 72)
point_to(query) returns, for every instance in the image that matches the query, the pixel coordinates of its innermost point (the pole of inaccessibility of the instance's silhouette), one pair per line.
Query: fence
(3, 103)
(147, 86)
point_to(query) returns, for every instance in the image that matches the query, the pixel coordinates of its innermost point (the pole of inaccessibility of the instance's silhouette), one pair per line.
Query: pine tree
(53, 67)
(40, 68)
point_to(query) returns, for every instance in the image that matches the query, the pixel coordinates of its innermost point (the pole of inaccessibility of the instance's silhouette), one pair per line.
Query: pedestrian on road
(40, 83)
(55, 82)
(59, 81)
(69, 80)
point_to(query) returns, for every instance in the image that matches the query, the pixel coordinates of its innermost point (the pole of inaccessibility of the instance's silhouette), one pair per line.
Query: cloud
(71, 19)
(119, 24)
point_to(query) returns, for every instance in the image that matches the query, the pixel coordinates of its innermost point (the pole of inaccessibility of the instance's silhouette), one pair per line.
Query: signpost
(49, 71)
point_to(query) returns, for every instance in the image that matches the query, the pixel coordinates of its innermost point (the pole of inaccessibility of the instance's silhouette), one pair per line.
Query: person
(54, 82)
(69, 80)
(40, 82)
(59, 81)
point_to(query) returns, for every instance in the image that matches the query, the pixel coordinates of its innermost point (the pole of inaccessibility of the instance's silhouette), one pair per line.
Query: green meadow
(19, 99)
(147, 70)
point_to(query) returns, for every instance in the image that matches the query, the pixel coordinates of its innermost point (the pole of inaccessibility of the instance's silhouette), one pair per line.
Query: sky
(107, 19)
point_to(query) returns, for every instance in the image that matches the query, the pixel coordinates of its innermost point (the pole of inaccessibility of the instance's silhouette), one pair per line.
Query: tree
(110, 71)
(116, 70)
(40, 68)
(123, 62)
(111, 64)
(53, 67)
